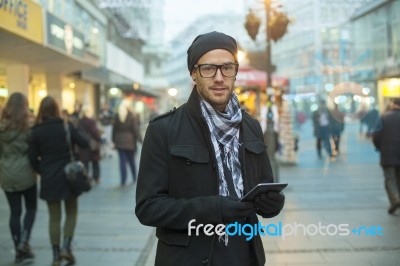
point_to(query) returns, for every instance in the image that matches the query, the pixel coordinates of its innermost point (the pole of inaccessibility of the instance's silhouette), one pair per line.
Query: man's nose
(218, 76)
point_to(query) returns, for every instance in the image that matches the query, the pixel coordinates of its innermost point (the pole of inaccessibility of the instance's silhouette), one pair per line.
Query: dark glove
(269, 204)
(232, 209)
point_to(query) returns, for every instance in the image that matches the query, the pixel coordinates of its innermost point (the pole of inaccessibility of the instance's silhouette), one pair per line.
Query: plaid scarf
(224, 129)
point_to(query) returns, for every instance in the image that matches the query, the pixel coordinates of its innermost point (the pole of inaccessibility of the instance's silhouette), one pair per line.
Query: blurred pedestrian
(138, 120)
(65, 115)
(320, 119)
(361, 116)
(336, 127)
(48, 154)
(300, 118)
(263, 118)
(106, 117)
(17, 178)
(74, 117)
(198, 160)
(272, 114)
(125, 136)
(91, 155)
(386, 139)
(370, 120)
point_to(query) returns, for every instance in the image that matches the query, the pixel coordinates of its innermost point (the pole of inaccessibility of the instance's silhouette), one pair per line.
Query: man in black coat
(198, 160)
(386, 139)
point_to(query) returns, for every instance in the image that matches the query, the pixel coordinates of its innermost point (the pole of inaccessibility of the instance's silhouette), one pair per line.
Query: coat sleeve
(33, 152)
(377, 134)
(154, 206)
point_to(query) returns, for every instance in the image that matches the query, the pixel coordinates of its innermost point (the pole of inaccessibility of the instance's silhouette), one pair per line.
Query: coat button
(213, 166)
(205, 261)
(188, 162)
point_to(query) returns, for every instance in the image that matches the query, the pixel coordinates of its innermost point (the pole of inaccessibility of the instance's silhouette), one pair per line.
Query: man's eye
(208, 68)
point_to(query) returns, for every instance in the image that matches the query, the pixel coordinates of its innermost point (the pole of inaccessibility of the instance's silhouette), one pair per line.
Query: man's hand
(232, 209)
(269, 204)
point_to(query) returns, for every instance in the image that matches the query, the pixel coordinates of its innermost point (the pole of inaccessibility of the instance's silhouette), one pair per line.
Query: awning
(128, 88)
(251, 77)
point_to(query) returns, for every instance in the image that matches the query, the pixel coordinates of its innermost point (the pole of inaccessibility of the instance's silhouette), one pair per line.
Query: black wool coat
(48, 153)
(178, 182)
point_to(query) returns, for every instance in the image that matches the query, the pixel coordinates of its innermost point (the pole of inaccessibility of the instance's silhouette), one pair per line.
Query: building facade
(376, 35)
(75, 51)
(45, 44)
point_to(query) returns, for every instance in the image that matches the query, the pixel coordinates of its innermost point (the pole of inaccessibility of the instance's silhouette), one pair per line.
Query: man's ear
(193, 76)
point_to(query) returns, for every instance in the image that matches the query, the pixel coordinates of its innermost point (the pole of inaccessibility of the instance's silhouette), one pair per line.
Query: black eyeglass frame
(217, 67)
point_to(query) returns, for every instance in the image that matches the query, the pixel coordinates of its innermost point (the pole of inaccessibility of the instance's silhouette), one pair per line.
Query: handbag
(75, 170)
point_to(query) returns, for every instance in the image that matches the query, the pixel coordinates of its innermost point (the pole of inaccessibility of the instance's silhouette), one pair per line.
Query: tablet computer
(263, 188)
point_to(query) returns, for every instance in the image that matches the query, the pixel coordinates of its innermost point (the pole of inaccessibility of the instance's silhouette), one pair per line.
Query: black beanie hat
(207, 42)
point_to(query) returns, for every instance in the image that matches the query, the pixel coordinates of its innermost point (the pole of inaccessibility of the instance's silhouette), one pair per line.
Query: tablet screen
(263, 188)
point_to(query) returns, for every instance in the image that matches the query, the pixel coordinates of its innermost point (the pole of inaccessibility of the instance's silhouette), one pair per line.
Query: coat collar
(193, 103)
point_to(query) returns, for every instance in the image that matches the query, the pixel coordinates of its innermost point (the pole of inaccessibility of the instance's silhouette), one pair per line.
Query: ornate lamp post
(276, 25)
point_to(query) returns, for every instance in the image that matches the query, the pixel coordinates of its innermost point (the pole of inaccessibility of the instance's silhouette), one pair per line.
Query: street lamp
(173, 92)
(114, 91)
(276, 25)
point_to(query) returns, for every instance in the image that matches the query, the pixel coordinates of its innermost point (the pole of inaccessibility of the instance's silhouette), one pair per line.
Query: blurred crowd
(34, 150)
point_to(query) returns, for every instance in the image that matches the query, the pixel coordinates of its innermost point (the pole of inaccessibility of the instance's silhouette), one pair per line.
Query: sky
(179, 14)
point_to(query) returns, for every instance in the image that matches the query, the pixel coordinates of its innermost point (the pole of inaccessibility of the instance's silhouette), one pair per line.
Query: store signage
(22, 17)
(390, 87)
(18, 9)
(63, 36)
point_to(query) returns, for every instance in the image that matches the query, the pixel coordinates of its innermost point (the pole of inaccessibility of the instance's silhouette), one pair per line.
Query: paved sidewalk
(107, 233)
(349, 190)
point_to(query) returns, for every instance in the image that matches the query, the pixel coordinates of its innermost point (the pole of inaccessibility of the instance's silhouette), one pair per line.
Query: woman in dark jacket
(125, 135)
(87, 126)
(48, 154)
(17, 177)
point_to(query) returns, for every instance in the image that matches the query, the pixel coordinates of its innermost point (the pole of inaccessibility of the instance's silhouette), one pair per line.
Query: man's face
(218, 89)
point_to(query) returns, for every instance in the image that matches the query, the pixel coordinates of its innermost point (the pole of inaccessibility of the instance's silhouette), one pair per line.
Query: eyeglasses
(228, 70)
